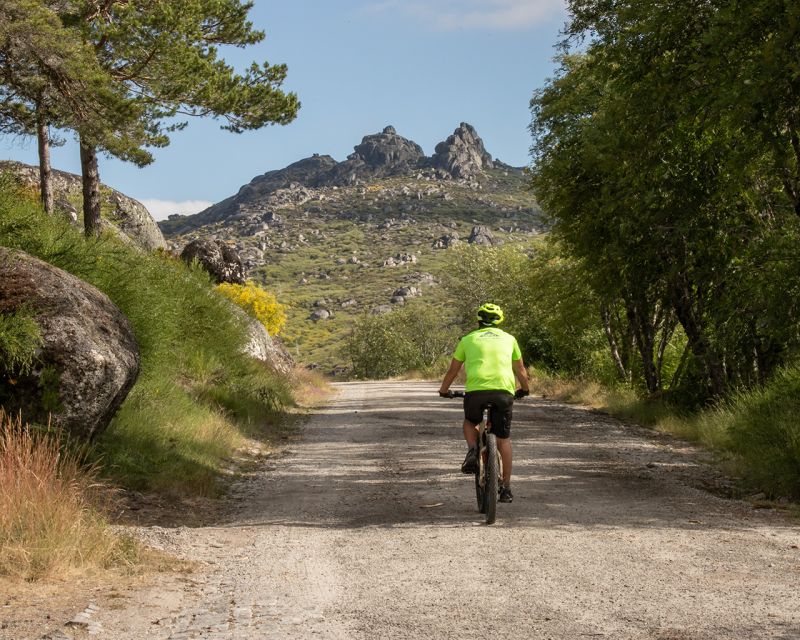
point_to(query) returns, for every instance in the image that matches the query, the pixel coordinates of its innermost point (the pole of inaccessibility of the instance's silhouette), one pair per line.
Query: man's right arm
(521, 374)
(452, 372)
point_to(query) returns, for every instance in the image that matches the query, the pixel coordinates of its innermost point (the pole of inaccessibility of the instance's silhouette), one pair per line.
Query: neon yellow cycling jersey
(487, 354)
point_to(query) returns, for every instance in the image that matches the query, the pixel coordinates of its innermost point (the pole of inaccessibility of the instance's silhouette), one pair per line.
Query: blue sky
(357, 66)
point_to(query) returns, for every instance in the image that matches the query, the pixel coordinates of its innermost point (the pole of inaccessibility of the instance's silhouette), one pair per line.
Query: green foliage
(20, 338)
(196, 394)
(165, 57)
(415, 337)
(548, 306)
(677, 203)
(46, 69)
(666, 156)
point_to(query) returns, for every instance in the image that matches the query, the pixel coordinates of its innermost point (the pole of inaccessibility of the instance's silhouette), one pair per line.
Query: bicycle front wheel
(491, 485)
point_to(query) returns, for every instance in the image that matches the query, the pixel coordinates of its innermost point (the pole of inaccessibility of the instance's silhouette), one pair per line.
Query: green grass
(755, 433)
(197, 398)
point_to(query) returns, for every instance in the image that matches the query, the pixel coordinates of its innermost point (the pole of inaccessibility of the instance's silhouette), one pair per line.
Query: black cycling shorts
(500, 417)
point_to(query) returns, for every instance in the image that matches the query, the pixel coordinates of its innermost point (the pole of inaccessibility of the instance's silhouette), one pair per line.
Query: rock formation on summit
(379, 155)
(462, 155)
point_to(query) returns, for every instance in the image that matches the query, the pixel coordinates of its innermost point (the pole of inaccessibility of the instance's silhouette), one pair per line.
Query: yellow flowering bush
(257, 302)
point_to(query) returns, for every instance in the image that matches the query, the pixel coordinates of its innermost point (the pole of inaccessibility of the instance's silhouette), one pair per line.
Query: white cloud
(475, 14)
(160, 209)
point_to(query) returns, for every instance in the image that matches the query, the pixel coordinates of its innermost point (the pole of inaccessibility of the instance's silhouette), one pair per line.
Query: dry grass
(309, 388)
(50, 518)
(585, 392)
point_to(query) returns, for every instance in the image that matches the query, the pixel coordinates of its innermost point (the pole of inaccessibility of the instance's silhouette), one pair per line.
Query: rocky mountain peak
(379, 155)
(462, 155)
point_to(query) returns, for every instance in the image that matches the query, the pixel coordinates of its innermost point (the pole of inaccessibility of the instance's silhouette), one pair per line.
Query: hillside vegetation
(197, 399)
(337, 252)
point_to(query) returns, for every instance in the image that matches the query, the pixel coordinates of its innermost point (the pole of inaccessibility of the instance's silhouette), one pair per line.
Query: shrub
(260, 304)
(413, 337)
(20, 338)
(765, 434)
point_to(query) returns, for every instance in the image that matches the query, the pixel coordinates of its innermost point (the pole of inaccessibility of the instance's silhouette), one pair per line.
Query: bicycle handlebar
(453, 394)
(520, 393)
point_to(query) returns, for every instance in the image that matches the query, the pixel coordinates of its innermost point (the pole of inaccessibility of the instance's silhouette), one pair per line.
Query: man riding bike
(493, 360)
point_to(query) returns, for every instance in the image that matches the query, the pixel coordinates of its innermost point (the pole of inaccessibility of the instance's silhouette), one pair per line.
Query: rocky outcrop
(400, 259)
(320, 314)
(406, 292)
(122, 214)
(89, 360)
(378, 156)
(462, 155)
(264, 347)
(481, 235)
(220, 260)
(446, 241)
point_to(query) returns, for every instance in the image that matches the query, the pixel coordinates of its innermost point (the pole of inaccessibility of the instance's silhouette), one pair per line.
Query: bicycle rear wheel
(479, 493)
(491, 485)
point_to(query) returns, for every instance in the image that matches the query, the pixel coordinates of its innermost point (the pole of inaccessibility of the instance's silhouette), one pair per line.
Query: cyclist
(492, 359)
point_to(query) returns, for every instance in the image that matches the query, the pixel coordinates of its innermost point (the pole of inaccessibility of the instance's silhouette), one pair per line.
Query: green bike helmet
(489, 313)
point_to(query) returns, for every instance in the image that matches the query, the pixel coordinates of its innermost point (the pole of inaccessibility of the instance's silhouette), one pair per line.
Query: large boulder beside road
(264, 347)
(220, 260)
(126, 217)
(89, 359)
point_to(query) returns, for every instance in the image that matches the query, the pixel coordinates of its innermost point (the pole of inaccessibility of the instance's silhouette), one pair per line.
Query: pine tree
(164, 57)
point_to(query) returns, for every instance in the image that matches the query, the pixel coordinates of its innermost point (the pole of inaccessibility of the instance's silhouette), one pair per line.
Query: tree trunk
(45, 171)
(698, 342)
(679, 371)
(91, 190)
(645, 341)
(612, 343)
(667, 329)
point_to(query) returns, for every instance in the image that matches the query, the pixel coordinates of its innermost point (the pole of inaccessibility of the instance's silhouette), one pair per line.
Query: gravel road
(366, 529)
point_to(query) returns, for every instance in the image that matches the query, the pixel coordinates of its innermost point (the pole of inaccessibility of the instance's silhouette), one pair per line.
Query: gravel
(366, 529)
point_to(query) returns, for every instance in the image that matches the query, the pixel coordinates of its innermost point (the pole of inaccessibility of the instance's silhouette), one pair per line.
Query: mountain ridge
(386, 154)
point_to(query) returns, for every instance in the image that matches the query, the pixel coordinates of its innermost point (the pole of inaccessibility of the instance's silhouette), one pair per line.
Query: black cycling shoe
(470, 464)
(506, 495)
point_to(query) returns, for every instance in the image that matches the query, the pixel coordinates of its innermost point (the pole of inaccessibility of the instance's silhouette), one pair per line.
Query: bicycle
(489, 474)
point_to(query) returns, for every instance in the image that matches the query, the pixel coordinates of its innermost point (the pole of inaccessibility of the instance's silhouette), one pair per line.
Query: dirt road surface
(364, 528)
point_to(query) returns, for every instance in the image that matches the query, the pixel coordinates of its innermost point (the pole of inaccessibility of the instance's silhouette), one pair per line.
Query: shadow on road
(389, 457)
